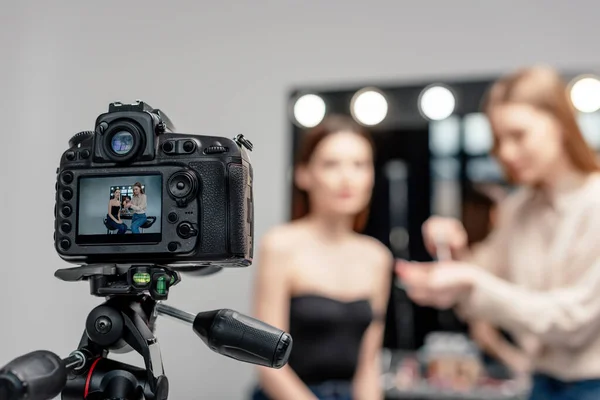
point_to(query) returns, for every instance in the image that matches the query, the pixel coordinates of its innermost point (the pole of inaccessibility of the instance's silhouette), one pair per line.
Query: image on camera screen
(119, 209)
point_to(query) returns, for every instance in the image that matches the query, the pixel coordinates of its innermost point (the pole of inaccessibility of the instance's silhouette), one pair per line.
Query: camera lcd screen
(119, 210)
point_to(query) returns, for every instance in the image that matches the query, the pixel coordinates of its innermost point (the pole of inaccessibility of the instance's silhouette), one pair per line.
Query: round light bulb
(369, 107)
(437, 103)
(309, 110)
(585, 94)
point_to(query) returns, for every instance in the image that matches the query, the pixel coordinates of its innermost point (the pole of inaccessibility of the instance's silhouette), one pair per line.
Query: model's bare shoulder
(375, 250)
(281, 238)
(380, 263)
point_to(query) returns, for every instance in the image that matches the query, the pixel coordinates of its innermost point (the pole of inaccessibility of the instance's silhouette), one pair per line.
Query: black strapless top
(327, 334)
(114, 210)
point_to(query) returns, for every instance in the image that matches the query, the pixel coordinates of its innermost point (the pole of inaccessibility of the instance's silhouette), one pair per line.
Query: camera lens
(122, 142)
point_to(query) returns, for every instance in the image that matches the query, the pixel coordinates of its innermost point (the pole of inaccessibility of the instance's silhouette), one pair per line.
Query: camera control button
(65, 244)
(67, 194)
(67, 177)
(185, 230)
(65, 227)
(189, 146)
(183, 185)
(172, 217)
(85, 154)
(168, 146)
(173, 246)
(66, 210)
(215, 150)
(101, 128)
(70, 155)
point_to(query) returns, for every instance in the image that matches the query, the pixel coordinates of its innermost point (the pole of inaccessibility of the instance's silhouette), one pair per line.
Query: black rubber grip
(243, 338)
(39, 375)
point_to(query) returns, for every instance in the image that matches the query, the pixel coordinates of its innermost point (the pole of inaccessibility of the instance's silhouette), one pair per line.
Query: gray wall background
(219, 68)
(95, 194)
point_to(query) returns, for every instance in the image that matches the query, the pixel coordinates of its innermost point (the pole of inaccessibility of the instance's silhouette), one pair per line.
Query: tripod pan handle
(39, 375)
(243, 338)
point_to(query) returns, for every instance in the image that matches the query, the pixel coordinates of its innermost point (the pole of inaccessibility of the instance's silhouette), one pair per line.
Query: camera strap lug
(241, 140)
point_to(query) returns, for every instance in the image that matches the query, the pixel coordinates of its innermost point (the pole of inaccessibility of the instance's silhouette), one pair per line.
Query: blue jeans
(323, 391)
(548, 388)
(137, 220)
(121, 228)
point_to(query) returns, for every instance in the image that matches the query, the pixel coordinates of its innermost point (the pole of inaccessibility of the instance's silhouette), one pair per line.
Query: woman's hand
(447, 230)
(518, 363)
(438, 284)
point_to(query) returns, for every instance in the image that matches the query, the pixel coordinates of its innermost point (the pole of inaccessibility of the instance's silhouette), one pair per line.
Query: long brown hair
(308, 144)
(543, 88)
(138, 184)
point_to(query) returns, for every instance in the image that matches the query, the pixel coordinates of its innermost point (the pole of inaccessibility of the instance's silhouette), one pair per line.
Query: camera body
(133, 191)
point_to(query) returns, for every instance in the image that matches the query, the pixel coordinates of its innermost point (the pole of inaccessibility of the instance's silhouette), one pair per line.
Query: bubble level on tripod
(141, 278)
(161, 285)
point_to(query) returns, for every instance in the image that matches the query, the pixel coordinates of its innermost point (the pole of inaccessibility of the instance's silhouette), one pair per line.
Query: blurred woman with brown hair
(323, 281)
(537, 275)
(138, 204)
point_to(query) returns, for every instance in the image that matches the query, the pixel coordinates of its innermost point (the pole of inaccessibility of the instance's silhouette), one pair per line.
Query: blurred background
(230, 67)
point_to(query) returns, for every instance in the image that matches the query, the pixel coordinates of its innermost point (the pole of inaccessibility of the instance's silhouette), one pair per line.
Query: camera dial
(79, 138)
(183, 186)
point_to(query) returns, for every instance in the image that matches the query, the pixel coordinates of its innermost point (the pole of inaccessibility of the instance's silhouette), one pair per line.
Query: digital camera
(133, 191)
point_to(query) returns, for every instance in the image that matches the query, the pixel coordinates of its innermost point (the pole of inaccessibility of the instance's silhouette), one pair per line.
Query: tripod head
(125, 321)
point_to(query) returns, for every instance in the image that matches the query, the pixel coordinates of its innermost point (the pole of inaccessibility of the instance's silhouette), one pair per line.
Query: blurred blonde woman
(538, 273)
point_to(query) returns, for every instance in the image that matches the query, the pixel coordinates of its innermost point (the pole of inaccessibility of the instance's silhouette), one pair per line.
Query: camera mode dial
(79, 138)
(183, 187)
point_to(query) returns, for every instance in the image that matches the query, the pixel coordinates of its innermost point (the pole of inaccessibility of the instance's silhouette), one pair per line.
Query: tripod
(124, 322)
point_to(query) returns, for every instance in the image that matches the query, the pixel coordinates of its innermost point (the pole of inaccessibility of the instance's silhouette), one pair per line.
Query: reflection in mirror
(590, 127)
(444, 137)
(478, 134)
(397, 175)
(446, 189)
(484, 169)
